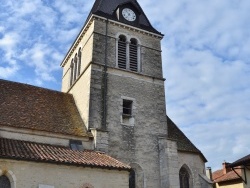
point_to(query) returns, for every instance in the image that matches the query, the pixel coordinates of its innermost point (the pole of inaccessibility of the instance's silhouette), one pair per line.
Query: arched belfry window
(184, 178)
(79, 60)
(122, 52)
(4, 182)
(128, 56)
(72, 72)
(75, 66)
(133, 55)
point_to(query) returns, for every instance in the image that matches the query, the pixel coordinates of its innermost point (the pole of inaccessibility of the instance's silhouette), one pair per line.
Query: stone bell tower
(114, 71)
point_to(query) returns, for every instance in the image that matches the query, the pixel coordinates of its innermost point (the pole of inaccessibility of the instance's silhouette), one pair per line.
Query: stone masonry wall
(195, 164)
(31, 174)
(150, 47)
(81, 88)
(137, 141)
(86, 44)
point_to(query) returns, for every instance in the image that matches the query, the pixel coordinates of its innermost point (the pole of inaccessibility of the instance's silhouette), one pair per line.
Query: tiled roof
(243, 161)
(30, 151)
(35, 108)
(106, 8)
(183, 143)
(218, 176)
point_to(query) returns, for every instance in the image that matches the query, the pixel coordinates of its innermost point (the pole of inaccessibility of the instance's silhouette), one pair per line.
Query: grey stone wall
(150, 48)
(135, 143)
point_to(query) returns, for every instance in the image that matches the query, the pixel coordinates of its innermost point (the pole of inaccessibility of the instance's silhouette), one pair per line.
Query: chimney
(226, 169)
(209, 173)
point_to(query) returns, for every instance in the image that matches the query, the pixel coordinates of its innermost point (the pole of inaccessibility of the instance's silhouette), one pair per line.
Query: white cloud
(206, 65)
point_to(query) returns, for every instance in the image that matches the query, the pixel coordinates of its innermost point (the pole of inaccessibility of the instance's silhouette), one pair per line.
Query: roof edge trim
(85, 27)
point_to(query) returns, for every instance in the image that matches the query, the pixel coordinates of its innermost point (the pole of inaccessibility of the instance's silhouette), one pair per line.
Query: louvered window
(122, 52)
(128, 54)
(133, 59)
(4, 182)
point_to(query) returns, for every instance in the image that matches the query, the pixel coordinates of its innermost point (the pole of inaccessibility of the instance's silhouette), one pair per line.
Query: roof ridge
(32, 86)
(192, 149)
(183, 134)
(32, 142)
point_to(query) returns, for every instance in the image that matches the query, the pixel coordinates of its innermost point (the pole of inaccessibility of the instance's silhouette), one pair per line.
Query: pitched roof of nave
(28, 107)
(183, 143)
(106, 8)
(30, 151)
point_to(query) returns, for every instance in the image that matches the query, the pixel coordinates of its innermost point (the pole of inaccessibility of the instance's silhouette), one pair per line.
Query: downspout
(105, 84)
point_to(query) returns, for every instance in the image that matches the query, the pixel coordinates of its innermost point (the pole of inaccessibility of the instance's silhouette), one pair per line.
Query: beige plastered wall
(235, 185)
(31, 174)
(81, 87)
(248, 178)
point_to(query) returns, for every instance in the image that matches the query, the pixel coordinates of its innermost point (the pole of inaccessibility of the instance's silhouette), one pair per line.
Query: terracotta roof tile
(218, 176)
(183, 143)
(30, 151)
(30, 107)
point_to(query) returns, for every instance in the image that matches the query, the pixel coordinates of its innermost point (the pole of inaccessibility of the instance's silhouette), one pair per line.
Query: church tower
(114, 71)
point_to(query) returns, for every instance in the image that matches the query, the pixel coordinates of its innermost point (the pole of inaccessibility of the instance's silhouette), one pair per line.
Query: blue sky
(206, 61)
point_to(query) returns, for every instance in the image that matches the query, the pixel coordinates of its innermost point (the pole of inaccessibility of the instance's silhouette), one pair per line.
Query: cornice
(116, 23)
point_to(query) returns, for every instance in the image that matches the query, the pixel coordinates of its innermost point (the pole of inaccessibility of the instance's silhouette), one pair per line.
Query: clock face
(129, 14)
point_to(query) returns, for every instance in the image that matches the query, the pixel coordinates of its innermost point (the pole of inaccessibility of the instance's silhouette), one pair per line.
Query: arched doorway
(4, 182)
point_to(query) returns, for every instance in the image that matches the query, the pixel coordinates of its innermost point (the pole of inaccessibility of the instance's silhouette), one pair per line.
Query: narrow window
(79, 61)
(4, 182)
(132, 179)
(133, 59)
(122, 52)
(75, 67)
(184, 178)
(71, 72)
(127, 108)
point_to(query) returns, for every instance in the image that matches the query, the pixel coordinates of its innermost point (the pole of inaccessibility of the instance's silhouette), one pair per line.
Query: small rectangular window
(127, 107)
(76, 145)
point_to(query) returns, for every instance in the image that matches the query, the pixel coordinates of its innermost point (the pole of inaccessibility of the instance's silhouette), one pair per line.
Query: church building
(108, 126)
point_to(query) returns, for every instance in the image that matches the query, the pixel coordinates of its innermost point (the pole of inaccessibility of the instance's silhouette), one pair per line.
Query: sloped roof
(106, 8)
(218, 176)
(29, 107)
(30, 151)
(183, 143)
(242, 161)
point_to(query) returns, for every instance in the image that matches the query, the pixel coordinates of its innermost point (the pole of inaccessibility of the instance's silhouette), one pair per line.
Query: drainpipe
(105, 84)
